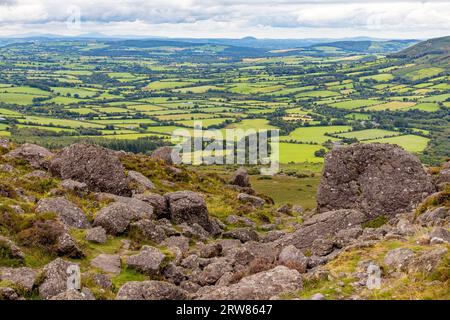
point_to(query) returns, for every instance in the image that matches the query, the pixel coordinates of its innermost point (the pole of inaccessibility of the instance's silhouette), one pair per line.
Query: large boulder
(148, 261)
(164, 154)
(189, 207)
(37, 156)
(116, 217)
(323, 225)
(109, 263)
(241, 178)
(98, 167)
(158, 203)
(140, 182)
(68, 213)
(378, 179)
(22, 277)
(150, 290)
(55, 276)
(260, 286)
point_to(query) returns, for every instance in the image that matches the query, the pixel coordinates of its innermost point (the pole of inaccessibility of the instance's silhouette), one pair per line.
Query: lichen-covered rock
(148, 261)
(214, 271)
(427, 261)
(38, 174)
(150, 290)
(253, 200)
(190, 207)
(398, 259)
(242, 234)
(377, 179)
(73, 295)
(141, 182)
(211, 250)
(439, 235)
(37, 156)
(158, 203)
(99, 168)
(109, 263)
(22, 277)
(67, 246)
(8, 294)
(325, 224)
(55, 278)
(68, 213)
(148, 230)
(260, 286)
(11, 249)
(116, 217)
(241, 178)
(434, 217)
(75, 186)
(164, 154)
(96, 235)
(292, 257)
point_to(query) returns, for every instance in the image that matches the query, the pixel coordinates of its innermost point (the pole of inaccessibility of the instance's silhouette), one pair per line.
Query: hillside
(140, 228)
(435, 51)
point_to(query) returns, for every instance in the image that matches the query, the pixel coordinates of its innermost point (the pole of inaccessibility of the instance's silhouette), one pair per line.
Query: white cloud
(232, 18)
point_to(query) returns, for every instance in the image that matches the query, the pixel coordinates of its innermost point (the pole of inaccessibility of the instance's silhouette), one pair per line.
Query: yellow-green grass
(411, 143)
(286, 189)
(248, 88)
(112, 110)
(358, 116)
(18, 98)
(317, 94)
(369, 134)
(199, 89)
(354, 104)
(64, 100)
(25, 89)
(257, 124)
(55, 129)
(292, 152)
(163, 85)
(132, 136)
(437, 98)
(393, 105)
(426, 106)
(383, 77)
(145, 107)
(58, 122)
(205, 123)
(5, 133)
(423, 73)
(184, 116)
(82, 93)
(123, 121)
(82, 111)
(9, 113)
(314, 134)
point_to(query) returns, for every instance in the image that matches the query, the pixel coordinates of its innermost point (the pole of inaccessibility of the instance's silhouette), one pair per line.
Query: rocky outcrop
(55, 278)
(68, 213)
(260, 286)
(99, 168)
(37, 156)
(378, 179)
(140, 182)
(158, 203)
(109, 263)
(116, 217)
(148, 261)
(324, 225)
(190, 207)
(164, 154)
(150, 290)
(22, 277)
(253, 200)
(96, 235)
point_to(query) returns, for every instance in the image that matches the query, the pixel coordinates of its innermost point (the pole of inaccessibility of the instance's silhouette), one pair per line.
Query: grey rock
(189, 207)
(150, 290)
(142, 183)
(318, 296)
(377, 179)
(8, 294)
(322, 246)
(428, 261)
(67, 246)
(23, 277)
(116, 217)
(253, 200)
(7, 168)
(37, 156)
(55, 278)
(39, 174)
(148, 230)
(260, 286)
(148, 261)
(398, 259)
(164, 154)
(290, 257)
(96, 235)
(99, 168)
(158, 203)
(174, 273)
(241, 178)
(179, 242)
(68, 213)
(73, 295)
(214, 271)
(211, 250)
(242, 234)
(434, 217)
(13, 250)
(75, 186)
(439, 235)
(109, 263)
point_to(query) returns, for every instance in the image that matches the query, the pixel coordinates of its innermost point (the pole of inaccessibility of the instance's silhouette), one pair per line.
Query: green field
(410, 143)
(369, 134)
(314, 134)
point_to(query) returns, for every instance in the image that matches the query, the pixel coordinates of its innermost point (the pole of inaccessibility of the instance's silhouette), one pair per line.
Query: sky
(277, 19)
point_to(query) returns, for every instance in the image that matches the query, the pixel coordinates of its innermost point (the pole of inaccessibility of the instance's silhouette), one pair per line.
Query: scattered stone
(116, 217)
(23, 277)
(241, 178)
(318, 296)
(67, 246)
(211, 250)
(68, 213)
(103, 281)
(8, 294)
(7, 168)
(148, 261)
(398, 259)
(434, 217)
(13, 250)
(148, 230)
(142, 183)
(272, 236)
(376, 179)
(180, 242)
(189, 207)
(298, 209)
(75, 186)
(428, 261)
(326, 224)
(195, 232)
(109, 263)
(39, 174)
(98, 167)
(150, 290)
(260, 286)
(165, 155)
(37, 156)
(55, 278)
(439, 235)
(285, 209)
(255, 201)
(242, 234)
(73, 295)
(96, 235)
(158, 203)
(292, 257)
(214, 271)
(322, 246)
(236, 220)
(174, 273)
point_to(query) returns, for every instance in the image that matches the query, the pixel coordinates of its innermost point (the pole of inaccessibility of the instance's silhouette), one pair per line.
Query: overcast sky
(228, 18)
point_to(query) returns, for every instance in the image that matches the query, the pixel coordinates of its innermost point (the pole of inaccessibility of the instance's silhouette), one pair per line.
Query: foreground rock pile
(120, 216)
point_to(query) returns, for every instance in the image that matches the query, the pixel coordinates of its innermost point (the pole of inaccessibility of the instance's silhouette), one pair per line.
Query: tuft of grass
(376, 223)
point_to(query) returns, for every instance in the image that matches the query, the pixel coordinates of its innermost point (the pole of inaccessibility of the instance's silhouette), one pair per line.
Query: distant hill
(435, 51)
(365, 46)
